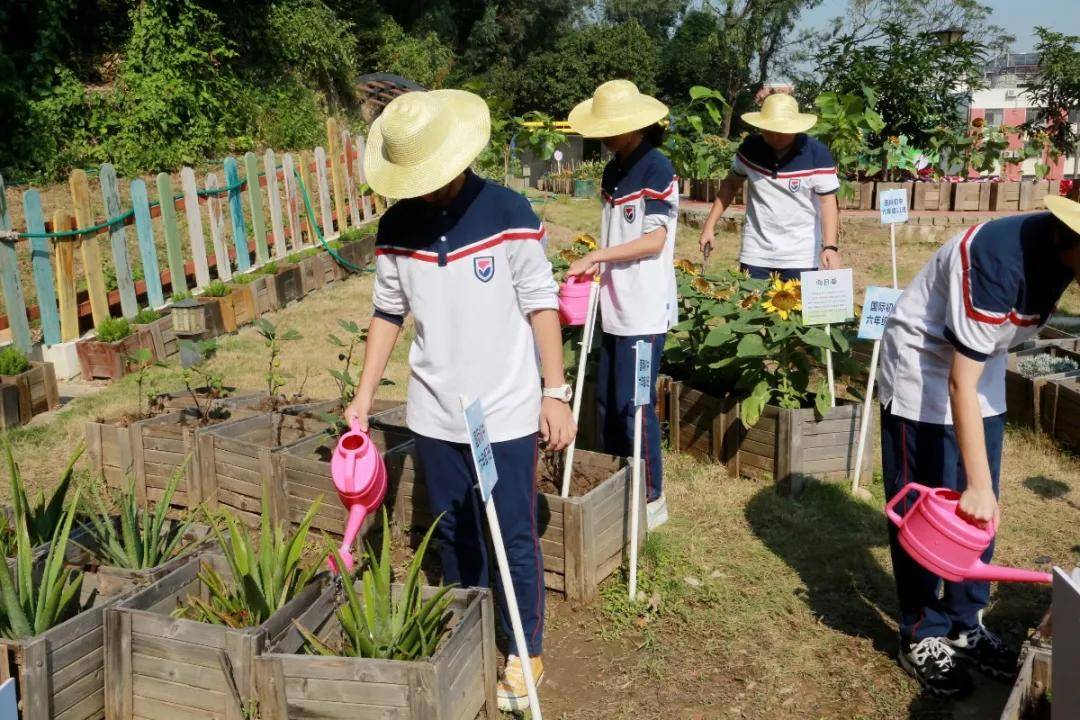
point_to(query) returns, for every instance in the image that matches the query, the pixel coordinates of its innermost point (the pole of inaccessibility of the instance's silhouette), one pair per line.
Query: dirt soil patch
(550, 471)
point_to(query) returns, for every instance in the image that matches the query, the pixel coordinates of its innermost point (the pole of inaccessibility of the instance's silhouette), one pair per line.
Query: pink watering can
(360, 479)
(574, 299)
(946, 544)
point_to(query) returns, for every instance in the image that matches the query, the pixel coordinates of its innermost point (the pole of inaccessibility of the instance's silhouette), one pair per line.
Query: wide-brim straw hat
(423, 140)
(1065, 210)
(780, 113)
(615, 108)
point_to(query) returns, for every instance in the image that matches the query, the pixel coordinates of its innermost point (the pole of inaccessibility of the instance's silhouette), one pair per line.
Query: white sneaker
(657, 512)
(513, 695)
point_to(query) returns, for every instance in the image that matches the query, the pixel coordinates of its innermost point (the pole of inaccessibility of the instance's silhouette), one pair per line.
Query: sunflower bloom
(749, 301)
(587, 240)
(702, 285)
(686, 266)
(784, 298)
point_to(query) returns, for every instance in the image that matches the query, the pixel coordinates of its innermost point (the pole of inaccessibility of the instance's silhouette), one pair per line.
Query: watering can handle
(355, 427)
(891, 513)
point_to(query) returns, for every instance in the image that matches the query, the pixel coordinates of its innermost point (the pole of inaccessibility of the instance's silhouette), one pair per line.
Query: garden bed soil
(36, 389)
(456, 683)
(106, 360)
(1023, 394)
(159, 667)
(239, 463)
(180, 399)
(166, 343)
(60, 673)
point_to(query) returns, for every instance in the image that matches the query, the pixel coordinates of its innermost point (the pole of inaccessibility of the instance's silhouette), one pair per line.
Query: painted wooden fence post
(41, 260)
(288, 170)
(144, 229)
(361, 178)
(118, 239)
(236, 212)
(66, 288)
(14, 301)
(348, 169)
(273, 196)
(258, 220)
(84, 217)
(173, 251)
(305, 177)
(217, 228)
(195, 228)
(333, 138)
(324, 192)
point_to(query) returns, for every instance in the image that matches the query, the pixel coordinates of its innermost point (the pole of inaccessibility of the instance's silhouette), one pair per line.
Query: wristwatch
(830, 247)
(564, 393)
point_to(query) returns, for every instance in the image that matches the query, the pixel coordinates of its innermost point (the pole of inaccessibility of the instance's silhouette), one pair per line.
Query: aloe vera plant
(263, 579)
(143, 539)
(33, 601)
(43, 517)
(381, 626)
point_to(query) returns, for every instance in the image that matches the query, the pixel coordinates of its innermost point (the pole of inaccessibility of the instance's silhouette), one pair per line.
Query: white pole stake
(864, 426)
(579, 383)
(484, 463)
(829, 370)
(642, 397)
(892, 243)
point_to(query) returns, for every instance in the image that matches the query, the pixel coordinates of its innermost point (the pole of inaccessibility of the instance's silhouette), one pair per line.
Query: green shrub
(113, 329)
(294, 258)
(146, 316)
(270, 268)
(13, 361)
(244, 278)
(180, 295)
(216, 288)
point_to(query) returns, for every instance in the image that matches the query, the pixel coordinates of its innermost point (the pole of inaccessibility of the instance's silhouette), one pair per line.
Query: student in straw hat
(638, 292)
(943, 359)
(791, 212)
(465, 257)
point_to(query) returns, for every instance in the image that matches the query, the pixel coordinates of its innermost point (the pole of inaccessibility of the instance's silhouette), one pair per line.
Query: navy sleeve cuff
(736, 172)
(964, 349)
(656, 207)
(398, 320)
(827, 192)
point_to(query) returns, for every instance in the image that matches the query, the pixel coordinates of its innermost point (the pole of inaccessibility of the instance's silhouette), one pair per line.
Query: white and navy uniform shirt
(782, 228)
(470, 274)
(638, 297)
(987, 289)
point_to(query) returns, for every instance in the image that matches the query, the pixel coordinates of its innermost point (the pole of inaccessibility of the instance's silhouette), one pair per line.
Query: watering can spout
(357, 514)
(999, 573)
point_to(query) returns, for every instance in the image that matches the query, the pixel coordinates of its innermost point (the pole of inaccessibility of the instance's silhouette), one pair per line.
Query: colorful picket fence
(231, 211)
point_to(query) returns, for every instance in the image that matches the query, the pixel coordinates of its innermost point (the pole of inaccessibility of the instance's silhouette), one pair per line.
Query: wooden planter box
(310, 280)
(305, 473)
(1023, 394)
(328, 269)
(197, 318)
(109, 447)
(971, 196)
(456, 683)
(359, 252)
(263, 294)
(930, 196)
(881, 186)
(163, 668)
(60, 674)
(1033, 683)
(859, 192)
(288, 284)
(240, 303)
(166, 344)
(180, 399)
(36, 390)
(10, 412)
(239, 463)
(790, 446)
(1052, 336)
(1033, 193)
(106, 359)
(703, 190)
(1059, 410)
(1004, 196)
(227, 308)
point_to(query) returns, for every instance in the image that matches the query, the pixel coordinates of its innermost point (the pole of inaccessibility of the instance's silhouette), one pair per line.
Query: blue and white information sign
(876, 309)
(893, 206)
(483, 457)
(643, 373)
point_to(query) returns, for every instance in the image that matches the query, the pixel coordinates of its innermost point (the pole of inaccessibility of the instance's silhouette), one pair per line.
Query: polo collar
(778, 163)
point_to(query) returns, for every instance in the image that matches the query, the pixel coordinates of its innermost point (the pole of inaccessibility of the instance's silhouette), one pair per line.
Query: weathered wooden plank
(76, 640)
(178, 693)
(765, 463)
(92, 706)
(320, 710)
(258, 217)
(273, 195)
(324, 192)
(361, 178)
(110, 191)
(118, 658)
(829, 452)
(349, 172)
(66, 284)
(217, 228)
(173, 247)
(33, 680)
(348, 692)
(236, 213)
(91, 257)
(91, 682)
(195, 227)
(292, 208)
(41, 261)
(154, 709)
(191, 632)
(333, 139)
(347, 669)
(144, 230)
(173, 650)
(305, 178)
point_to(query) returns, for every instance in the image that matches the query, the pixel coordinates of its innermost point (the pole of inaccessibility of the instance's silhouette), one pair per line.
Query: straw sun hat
(780, 113)
(1065, 210)
(615, 108)
(423, 140)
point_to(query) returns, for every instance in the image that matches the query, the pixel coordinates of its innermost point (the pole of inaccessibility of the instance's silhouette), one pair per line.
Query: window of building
(994, 116)
(1032, 115)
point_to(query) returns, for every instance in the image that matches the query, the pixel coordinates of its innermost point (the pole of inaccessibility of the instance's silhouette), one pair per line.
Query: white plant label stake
(642, 397)
(488, 476)
(877, 307)
(894, 209)
(827, 297)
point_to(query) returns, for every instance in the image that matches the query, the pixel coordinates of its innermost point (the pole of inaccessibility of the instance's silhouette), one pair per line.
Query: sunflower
(686, 266)
(784, 298)
(702, 285)
(749, 301)
(722, 293)
(587, 240)
(569, 255)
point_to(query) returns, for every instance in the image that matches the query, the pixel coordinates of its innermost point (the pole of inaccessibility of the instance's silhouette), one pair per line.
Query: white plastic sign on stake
(642, 397)
(488, 476)
(827, 297)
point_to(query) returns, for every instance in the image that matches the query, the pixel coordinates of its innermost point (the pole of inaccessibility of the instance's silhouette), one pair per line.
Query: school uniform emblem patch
(484, 268)
(628, 213)
(794, 184)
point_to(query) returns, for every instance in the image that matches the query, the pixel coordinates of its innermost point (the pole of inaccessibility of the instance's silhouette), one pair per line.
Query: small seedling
(269, 268)
(275, 377)
(180, 295)
(143, 359)
(146, 316)
(199, 376)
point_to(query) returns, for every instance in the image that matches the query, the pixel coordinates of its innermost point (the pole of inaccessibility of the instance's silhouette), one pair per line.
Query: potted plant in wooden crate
(263, 287)
(288, 282)
(971, 196)
(219, 292)
(357, 248)
(1004, 195)
(326, 266)
(197, 318)
(1026, 376)
(747, 364)
(931, 195)
(1059, 409)
(245, 305)
(106, 356)
(35, 383)
(376, 648)
(186, 646)
(160, 325)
